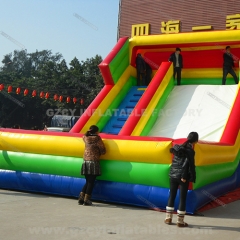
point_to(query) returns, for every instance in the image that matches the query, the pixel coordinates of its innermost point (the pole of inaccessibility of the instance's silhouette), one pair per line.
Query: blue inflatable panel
(116, 192)
(122, 193)
(238, 177)
(137, 195)
(41, 183)
(201, 196)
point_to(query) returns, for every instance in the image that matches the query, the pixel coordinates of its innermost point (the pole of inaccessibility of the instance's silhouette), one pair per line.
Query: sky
(74, 28)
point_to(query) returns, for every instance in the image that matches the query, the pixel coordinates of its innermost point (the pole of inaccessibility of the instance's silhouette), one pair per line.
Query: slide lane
(156, 100)
(102, 110)
(121, 114)
(201, 108)
(163, 75)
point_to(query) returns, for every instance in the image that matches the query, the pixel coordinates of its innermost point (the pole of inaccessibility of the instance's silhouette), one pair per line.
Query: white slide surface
(200, 108)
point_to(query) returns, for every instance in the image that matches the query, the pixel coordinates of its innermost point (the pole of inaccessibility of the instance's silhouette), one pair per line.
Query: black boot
(81, 198)
(87, 201)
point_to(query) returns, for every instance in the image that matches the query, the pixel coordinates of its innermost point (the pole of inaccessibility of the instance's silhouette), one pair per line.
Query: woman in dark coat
(141, 70)
(94, 148)
(181, 173)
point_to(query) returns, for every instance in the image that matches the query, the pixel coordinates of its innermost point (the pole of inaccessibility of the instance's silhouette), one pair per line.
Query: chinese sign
(233, 22)
(140, 29)
(173, 26)
(170, 27)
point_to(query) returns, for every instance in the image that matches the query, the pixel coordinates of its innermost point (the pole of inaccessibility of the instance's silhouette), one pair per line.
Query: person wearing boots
(177, 60)
(141, 70)
(148, 73)
(182, 172)
(94, 148)
(228, 64)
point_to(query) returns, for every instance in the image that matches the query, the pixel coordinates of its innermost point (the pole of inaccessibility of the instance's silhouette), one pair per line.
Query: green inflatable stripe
(116, 171)
(119, 64)
(120, 69)
(215, 172)
(158, 108)
(40, 163)
(136, 173)
(113, 65)
(116, 102)
(206, 81)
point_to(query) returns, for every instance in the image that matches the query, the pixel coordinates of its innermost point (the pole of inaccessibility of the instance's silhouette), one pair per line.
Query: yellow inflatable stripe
(186, 49)
(123, 150)
(109, 98)
(203, 73)
(207, 154)
(42, 144)
(184, 38)
(193, 73)
(153, 103)
(139, 151)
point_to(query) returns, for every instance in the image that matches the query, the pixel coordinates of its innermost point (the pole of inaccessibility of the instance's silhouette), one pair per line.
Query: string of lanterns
(46, 95)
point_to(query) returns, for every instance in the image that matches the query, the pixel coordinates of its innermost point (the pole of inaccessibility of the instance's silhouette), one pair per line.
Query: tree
(44, 71)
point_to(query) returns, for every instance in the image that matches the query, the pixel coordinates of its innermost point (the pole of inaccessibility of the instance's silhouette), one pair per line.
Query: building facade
(147, 17)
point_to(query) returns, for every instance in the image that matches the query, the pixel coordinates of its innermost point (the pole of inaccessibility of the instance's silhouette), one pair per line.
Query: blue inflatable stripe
(116, 192)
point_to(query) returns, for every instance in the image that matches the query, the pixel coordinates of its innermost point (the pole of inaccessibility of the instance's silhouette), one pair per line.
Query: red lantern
(9, 89)
(18, 90)
(41, 94)
(55, 97)
(47, 95)
(68, 99)
(60, 98)
(25, 92)
(74, 100)
(34, 93)
(1, 87)
(81, 101)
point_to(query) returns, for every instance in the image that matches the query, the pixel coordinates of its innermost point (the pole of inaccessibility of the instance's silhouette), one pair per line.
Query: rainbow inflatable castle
(139, 125)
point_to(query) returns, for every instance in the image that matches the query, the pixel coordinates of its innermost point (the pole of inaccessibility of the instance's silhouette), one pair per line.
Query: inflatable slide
(139, 124)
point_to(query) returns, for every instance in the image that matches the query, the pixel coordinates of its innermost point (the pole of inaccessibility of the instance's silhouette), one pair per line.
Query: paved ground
(26, 216)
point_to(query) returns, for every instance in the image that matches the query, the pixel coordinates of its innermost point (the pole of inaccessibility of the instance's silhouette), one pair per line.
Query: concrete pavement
(27, 216)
